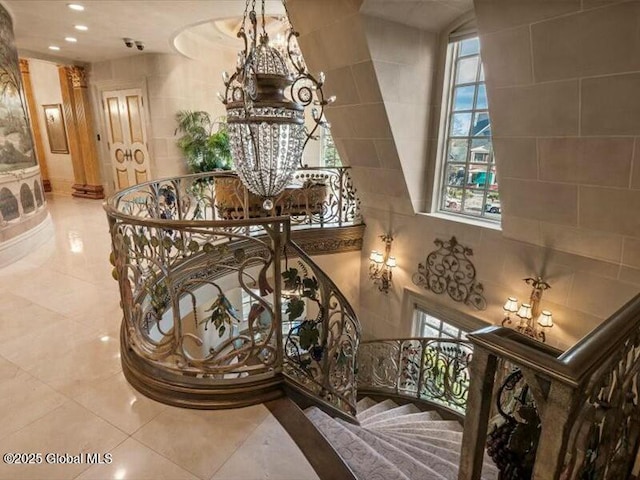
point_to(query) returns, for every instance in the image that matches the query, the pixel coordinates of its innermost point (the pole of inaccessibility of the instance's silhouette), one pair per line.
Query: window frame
(447, 96)
(448, 314)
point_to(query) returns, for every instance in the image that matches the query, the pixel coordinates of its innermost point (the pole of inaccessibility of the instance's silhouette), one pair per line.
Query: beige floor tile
(133, 461)
(200, 441)
(106, 320)
(85, 366)
(8, 370)
(27, 399)
(29, 347)
(69, 429)
(23, 318)
(120, 404)
(269, 452)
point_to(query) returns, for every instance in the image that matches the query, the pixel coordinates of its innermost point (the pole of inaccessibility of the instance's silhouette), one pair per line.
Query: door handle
(127, 155)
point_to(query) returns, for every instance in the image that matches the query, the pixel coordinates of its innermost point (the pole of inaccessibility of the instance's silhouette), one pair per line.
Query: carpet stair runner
(396, 442)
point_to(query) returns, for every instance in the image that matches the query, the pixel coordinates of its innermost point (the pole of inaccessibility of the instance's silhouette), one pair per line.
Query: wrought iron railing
(431, 369)
(316, 197)
(202, 298)
(320, 348)
(584, 423)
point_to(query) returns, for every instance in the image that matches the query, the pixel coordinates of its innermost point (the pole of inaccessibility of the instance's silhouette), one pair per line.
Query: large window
(468, 185)
(426, 325)
(329, 156)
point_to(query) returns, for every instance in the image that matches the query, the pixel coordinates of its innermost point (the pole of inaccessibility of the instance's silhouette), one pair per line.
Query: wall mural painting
(16, 145)
(26, 199)
(37, 191)
(8, 205)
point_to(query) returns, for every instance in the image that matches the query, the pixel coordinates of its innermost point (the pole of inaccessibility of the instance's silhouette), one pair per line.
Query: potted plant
(204, 149)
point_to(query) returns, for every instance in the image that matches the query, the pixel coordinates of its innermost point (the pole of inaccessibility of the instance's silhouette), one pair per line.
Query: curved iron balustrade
(431, 369)
(202, 295)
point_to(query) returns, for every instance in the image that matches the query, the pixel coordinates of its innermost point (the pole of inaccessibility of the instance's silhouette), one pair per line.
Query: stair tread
(412, 467)
(377, 408)
(447, 466)
(416, 427)
(409, 418)
(427, 443)
(425, 433)
(364, 403)
(365, 461)
(400, 411)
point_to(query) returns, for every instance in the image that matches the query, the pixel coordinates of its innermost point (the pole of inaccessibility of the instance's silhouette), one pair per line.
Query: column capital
(24, 66)
(77, 76)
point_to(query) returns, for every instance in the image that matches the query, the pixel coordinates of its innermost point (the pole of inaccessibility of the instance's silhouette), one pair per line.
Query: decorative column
(77, 109)
(35, 124)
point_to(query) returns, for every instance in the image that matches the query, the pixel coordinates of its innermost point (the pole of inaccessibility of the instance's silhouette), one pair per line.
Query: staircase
(396, 442)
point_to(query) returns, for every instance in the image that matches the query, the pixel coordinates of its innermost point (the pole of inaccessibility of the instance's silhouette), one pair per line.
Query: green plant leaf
(291, 278)
(295, 308)
(308, 334)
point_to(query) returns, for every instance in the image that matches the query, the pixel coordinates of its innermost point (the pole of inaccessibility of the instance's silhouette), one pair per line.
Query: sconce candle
(545, 319)
(381, 265)
(525, 311)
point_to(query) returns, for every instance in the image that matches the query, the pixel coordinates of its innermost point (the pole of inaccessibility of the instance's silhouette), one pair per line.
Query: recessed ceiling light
(75, 6)
(83, 28)
(71, 39)
(53, 47)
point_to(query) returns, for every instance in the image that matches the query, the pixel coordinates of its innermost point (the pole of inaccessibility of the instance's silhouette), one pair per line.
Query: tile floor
(62, 389)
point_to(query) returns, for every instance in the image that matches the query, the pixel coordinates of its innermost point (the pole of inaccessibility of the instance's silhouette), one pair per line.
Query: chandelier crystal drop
(265, 99)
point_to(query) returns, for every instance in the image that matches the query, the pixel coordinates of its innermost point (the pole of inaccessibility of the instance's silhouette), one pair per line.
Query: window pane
(492, 208)
(458, 150)
(481, 102)
(468, 171)
(481, 150)
(467, 70)
(453, 199)
(463, 98)
(429, 331)
(473, 198)
(456, 173)
(460, 123)
(450, 330)
(481, 125)
(469, 47)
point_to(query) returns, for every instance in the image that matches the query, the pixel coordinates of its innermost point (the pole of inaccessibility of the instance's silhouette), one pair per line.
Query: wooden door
(128, 149)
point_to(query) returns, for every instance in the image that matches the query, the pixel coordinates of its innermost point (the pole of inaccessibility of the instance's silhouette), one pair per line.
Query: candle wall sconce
(530, 314)
(381, 265)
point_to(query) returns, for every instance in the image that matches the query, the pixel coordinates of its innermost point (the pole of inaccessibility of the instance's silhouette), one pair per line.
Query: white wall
(46, 90)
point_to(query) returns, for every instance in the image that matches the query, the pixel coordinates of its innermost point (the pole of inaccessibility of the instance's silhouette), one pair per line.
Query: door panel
(141, 176)
(135, 119)
(122, 178)
(127, 137)
(115, 123)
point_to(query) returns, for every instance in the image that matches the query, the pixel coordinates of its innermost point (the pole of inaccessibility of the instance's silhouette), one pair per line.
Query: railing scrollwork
(202, 294)
(430, 369)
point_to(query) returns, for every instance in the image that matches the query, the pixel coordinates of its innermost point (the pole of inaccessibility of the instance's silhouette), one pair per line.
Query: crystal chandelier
(265, 99)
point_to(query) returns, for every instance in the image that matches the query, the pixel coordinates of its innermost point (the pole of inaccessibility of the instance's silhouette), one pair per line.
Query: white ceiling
(430, 15)
(40, 23)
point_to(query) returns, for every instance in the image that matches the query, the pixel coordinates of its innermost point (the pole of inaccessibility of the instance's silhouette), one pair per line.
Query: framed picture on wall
(55, 128)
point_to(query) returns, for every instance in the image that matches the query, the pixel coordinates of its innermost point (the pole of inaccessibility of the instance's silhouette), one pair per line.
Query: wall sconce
(529, 313)
(381, 265)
